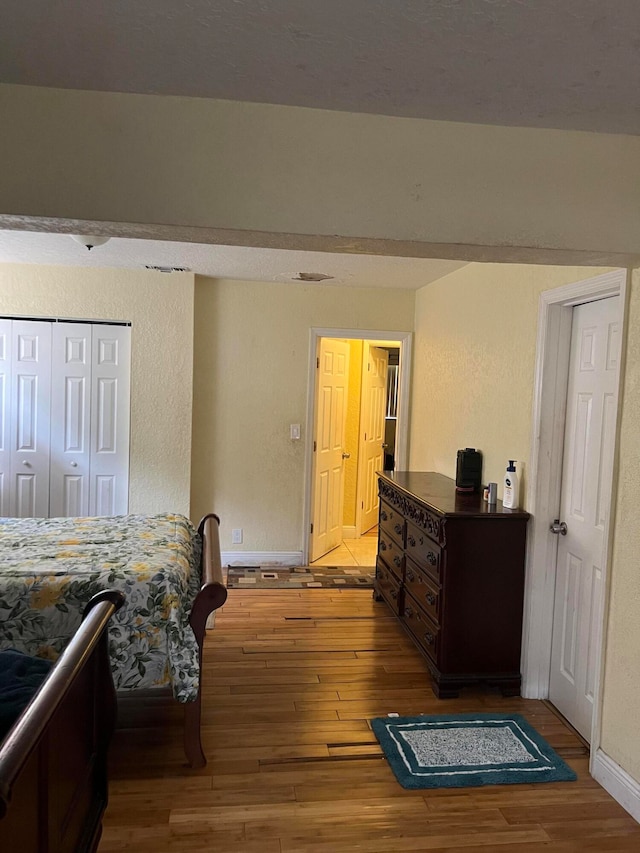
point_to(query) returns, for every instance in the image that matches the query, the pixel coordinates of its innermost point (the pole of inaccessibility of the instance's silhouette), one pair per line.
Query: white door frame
(404, 341)
(545, 466)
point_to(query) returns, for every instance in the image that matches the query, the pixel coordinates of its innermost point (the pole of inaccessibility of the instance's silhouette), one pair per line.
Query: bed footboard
(212, 595)
(53, 762)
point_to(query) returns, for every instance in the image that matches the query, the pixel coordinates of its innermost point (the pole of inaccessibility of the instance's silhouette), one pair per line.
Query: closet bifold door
(29, 418)
(70, 419)
(110, 380)
(5, 417)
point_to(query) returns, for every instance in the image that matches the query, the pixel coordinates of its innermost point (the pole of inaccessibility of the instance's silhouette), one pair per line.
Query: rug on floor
(464, 750)
(298, 577)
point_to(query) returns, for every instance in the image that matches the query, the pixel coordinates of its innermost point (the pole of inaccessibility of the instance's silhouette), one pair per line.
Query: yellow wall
(160, 309)
(352, 434)
(473, 385)
(620, 737)
(251, 371)
(288, 170)
(474, 357)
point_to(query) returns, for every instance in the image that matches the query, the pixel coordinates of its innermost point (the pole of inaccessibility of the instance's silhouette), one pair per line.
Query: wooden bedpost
(212, 595)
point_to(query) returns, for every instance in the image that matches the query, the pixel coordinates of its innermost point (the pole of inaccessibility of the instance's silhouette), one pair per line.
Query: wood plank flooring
(292, 678)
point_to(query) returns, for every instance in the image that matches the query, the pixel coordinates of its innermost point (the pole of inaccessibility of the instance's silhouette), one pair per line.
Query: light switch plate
(294, 431)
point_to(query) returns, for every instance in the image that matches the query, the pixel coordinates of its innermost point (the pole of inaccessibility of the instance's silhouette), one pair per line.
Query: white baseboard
(261, 558)
(349, 532)
(617, 782)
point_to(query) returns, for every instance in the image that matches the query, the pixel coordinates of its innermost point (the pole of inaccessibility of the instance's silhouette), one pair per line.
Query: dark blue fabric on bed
(20, 677)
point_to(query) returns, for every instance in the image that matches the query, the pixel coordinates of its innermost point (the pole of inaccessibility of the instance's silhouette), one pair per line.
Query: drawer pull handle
(408, 612)
(397, 561)
(394, 593)
(383, 515)
(383, 547)
(429, 638)
(397, 528)
(422, 540)
(412, 542)
(431, 558)
(431, 599)
(410, 576)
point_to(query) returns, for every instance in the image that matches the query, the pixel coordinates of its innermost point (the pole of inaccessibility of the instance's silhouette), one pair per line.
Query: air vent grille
(166, 269)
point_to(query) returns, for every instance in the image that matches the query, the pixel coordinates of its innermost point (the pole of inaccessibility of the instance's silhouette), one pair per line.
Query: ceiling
(235, 262)
(571, 64)
(544, 63)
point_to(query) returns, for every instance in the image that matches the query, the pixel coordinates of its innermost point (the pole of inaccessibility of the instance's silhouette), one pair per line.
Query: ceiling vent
(166, 269)
(312, 276)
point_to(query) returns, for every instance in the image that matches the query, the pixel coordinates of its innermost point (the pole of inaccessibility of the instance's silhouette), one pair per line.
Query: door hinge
(318, 361)
(312, 528)
(361, 504)
(369, 366)
(314, 447)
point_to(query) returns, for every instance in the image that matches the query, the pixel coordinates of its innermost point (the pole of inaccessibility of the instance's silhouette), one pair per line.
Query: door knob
(558, 527)
(73, 464)
(384, 445)
(346, 456)
(26, 462)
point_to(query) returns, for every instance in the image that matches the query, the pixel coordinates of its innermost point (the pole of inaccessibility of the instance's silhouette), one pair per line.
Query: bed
(171, 578)
(53, 760)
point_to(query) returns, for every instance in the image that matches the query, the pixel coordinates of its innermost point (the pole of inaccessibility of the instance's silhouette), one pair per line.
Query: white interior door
(110, 380)
(585, 504)
(70, 419)
(5, 417)
(372, 422)
(30, 418)
(332, 385)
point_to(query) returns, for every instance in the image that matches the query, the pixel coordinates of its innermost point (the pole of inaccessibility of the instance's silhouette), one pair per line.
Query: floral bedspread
(50, 568)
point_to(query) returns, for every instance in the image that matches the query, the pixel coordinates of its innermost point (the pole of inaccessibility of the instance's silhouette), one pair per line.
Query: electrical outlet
(236, 536)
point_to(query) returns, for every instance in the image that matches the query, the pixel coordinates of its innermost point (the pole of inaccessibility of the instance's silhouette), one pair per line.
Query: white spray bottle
(511, 493)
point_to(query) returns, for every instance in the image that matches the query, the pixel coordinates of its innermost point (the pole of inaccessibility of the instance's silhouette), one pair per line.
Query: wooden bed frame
(212, 595)
(53, 761)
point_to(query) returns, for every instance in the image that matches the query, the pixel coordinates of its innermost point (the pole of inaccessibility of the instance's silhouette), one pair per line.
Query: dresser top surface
(439, 494)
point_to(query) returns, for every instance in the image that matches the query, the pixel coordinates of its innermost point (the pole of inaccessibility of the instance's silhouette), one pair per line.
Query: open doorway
(358, 422)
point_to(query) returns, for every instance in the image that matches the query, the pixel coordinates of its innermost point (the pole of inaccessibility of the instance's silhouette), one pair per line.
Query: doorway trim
(545, 466)
(404, 341)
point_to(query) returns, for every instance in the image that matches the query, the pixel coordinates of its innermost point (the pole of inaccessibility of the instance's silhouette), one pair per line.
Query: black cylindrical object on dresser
(469, 470)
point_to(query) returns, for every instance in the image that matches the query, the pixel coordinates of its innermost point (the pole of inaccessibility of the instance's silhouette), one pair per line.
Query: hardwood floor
(292, 678)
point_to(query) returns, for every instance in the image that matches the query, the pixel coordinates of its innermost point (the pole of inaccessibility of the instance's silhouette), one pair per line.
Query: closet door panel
(70, 419)
(109, 463)
(30, 418)
(5, 416)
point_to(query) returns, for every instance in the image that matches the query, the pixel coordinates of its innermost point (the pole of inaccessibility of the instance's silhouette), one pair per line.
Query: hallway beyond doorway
(353, 552)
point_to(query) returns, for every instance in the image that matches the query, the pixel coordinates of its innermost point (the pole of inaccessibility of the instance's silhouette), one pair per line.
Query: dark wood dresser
(451, 568)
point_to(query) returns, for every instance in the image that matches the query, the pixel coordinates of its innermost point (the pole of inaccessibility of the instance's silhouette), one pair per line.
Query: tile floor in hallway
(353, 552)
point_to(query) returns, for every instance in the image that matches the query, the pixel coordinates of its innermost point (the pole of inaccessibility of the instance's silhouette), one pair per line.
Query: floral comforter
(50, 568)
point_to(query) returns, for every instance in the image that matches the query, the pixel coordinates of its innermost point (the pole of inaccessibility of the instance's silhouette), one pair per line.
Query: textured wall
(250, 382)
(622, 667)
(475, 349)
(160, 309)
(288, 170)
(352, 433)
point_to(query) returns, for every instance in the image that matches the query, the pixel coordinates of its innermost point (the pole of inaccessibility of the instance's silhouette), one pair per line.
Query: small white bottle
(510, 497)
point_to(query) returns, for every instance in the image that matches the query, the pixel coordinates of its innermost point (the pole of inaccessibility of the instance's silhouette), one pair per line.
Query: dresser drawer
(425, 632)
(392, 522)
(391, 553)
(423, 589)
(388, 586)
(424, 551)
(425, 520)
